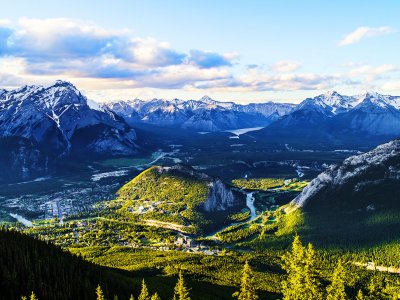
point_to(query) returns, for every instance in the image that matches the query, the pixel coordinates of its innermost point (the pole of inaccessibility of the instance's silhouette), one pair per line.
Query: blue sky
(230, 50)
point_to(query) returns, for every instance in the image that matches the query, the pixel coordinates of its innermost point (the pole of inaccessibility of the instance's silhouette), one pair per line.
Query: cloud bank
(39, 51)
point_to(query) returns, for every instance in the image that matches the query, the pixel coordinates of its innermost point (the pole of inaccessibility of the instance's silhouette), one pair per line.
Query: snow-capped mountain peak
(61, 94)
(57, 115)
(330, 103)
(207, 99)
(373, 100)
(204, 114)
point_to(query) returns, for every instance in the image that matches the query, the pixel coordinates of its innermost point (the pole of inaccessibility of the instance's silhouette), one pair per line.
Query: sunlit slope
(179, 197)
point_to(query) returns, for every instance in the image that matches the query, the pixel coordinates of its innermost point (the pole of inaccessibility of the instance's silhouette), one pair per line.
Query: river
(22, 220)
(250, 204)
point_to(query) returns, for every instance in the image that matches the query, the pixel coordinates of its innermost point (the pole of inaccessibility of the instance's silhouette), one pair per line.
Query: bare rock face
(59, 120)
(46, 123)
(20, 159)
(221, 197)
(370, 177)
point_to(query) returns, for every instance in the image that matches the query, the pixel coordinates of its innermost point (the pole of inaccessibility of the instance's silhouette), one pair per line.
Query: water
(22, 220)
(250, 204)
(243, 130)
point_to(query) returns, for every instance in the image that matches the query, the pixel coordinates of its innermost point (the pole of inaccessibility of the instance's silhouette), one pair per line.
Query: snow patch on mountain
(58, 118)
(352, 168)
(205, 114)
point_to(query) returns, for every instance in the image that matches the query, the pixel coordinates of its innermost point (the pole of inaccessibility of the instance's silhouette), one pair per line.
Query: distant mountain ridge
(205, 114)
(332, 118)
(325, 116)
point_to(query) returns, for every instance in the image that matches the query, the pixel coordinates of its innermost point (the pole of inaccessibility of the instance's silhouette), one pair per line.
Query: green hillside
(173, 197)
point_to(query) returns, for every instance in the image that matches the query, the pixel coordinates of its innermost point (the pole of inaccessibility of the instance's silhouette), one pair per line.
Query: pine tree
(24, 298)
(247, 289)
(336, 290)
(376, 287)
(99, 293)
(131, 297)
(313, 286)
(360, 295)
(144, 293)
(115, 297)
(302, 281)
(181, 292)
(155, 297)
(33, 296)
(292, 287)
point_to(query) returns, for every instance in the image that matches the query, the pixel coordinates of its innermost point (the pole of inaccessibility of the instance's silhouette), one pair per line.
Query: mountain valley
(149, 189)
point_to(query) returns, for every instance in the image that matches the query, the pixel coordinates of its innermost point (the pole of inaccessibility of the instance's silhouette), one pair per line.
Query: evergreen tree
(302, 282)
(155, 297)
(392, 289)
(313, 286)
(376, 287)
(131, 297)
(360, 295)
(181, 292)
(99, 293)
(247, 289)
(144, 293)
(115, 297)
(33, 296)
(336, 290)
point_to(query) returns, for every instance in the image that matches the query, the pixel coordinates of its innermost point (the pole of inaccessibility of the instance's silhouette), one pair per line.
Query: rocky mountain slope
(190, 200)
(45, 123)
(205, 114)
(367, 182)
(59, 119)
(334, 119)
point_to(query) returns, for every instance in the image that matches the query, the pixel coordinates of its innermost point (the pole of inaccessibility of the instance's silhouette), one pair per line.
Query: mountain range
(334, 119)
(205, 114)
(40, 124)
(329, 118)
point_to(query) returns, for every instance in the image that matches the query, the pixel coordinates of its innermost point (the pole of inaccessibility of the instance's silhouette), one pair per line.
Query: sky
(231, 50)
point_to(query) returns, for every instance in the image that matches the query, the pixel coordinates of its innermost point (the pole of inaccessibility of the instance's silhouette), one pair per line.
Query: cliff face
(20, 159)
(221, 197)
(180, 196)
(58, 119)
(362, 180)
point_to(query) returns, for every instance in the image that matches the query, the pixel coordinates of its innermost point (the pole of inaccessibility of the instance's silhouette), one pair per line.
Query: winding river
(250, 204)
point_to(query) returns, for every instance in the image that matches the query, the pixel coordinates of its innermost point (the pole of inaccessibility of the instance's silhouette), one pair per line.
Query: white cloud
(286, 66)
(5, 22)
(371, 73)
(36, 51)
(391, 86)
(76, 49)
(364, 32)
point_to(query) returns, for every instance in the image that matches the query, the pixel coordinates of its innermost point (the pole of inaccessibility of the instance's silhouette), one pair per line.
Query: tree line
(30, 265)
